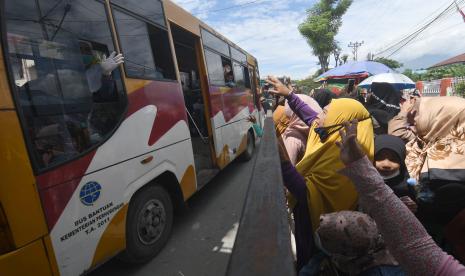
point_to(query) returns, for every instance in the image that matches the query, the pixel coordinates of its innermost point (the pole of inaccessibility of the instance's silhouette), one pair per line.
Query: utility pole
(355, 45)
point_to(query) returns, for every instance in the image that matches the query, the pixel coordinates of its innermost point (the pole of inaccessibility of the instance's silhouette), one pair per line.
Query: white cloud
(199, 8)
(382, 23)
(268, 30)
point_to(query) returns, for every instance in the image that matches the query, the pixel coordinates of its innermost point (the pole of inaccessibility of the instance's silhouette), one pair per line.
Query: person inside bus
(228, 75)
(314, 183)
(99, 69)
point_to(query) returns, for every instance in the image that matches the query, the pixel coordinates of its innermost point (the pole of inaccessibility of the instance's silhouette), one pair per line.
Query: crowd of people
(375, 180)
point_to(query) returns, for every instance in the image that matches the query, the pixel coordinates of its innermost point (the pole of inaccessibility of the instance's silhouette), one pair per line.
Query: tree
(393, 64)
(337, 54)
(308, 84)
(321, 27)
(345, 58)
(460, 89)
(413, 76)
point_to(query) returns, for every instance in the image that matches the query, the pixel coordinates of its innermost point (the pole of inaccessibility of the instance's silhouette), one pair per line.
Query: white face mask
(394, 174)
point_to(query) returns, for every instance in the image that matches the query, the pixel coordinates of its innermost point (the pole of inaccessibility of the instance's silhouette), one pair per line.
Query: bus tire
(148, 224)
(248, 153)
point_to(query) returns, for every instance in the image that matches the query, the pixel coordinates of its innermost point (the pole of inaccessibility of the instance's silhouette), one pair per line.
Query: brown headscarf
(438, 152)
(281, 121)
(353, 241)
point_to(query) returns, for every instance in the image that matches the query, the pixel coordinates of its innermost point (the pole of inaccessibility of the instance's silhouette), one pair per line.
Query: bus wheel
(148, 224)
(248, 153)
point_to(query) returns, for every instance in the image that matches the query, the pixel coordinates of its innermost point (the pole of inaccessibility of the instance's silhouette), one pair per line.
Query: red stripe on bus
(230, 100)
(169, 100)
(58, 185)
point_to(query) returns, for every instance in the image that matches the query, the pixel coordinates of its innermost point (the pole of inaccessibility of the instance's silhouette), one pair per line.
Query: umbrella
(356, 69)
(399, 81)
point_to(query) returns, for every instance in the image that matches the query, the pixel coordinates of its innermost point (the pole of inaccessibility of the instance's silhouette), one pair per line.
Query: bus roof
(177, 15)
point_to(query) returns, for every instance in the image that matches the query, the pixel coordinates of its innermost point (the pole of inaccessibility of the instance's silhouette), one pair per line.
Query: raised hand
(350, 148)
(278, 87)
(111, 63)
(252, 119)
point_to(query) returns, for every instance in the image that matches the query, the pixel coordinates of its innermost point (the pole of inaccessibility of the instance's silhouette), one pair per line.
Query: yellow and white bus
(94, 162)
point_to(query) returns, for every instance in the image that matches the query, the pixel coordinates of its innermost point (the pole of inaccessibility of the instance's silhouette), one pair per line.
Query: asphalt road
(203, 237)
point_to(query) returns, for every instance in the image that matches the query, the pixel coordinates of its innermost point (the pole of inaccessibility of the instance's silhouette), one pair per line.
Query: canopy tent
(355, 70)
(398, 81)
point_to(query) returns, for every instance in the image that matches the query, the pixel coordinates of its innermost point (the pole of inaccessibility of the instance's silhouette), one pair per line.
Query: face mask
(394, 174)
(87, 59)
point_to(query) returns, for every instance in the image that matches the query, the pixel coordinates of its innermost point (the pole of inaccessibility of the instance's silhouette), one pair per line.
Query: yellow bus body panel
(18, 192)
(28, 260)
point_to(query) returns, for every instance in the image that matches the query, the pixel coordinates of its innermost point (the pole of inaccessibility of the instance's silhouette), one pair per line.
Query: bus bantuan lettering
(93, 220)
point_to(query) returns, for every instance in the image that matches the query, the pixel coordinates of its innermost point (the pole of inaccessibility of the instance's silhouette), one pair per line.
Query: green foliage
(345, 58)
(393, 64)
(460, 89)
(451, 71)
(321, 27)
(409, 73)
(308, 84)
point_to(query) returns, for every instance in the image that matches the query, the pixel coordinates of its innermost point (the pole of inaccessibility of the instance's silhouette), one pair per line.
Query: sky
(268, 29)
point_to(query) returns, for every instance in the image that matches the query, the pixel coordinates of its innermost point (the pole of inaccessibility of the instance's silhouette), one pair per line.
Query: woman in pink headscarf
(296, 134)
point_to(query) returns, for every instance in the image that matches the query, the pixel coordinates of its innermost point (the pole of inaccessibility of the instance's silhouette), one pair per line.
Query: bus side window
(247, 80)
(215, 67)
(68, 104)
(145, 46)
(239, 75)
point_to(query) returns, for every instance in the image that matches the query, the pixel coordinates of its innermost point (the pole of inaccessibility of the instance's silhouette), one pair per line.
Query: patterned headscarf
(438, 152)
(353, 241)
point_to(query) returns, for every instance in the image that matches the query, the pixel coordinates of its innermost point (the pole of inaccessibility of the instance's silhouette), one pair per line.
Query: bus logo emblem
(89, 193)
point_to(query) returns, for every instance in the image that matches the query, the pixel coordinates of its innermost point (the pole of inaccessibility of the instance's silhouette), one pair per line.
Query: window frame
(215, 52)
(37, 169)
(243, 73)
(112, 7)
(142, 16)
(202, 30)
(208, 71)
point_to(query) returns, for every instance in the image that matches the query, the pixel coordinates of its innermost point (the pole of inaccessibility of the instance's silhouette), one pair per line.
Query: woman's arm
(293, 181)
(305, 112)
(405, 237)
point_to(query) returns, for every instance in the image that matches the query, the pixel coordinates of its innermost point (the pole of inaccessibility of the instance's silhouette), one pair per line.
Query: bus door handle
(147, 160)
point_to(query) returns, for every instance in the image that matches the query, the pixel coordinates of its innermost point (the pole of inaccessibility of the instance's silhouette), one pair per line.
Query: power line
(406, 38)
(396, 47)
(355, 45)
(412, 38)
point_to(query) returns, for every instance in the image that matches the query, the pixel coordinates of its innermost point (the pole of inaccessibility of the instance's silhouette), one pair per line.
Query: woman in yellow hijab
(316, 186)
(329, 191)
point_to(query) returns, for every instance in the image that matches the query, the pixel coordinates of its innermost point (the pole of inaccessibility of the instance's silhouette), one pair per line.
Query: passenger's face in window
(227, 69)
